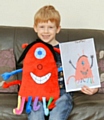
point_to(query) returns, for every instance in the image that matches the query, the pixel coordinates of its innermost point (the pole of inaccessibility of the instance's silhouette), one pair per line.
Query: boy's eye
(41, 26)
(51, 27)
(40, 53)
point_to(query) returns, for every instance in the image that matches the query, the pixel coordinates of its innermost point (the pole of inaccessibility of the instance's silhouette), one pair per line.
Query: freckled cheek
(41, 31)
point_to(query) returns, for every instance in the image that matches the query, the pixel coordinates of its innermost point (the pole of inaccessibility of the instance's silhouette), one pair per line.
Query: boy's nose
(46, 30)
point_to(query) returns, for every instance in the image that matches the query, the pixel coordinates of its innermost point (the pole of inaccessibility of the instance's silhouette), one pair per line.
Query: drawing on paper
(79, 64)
(83, 72)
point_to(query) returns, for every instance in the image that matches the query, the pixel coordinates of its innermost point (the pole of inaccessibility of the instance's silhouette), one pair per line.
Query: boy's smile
(47, 31)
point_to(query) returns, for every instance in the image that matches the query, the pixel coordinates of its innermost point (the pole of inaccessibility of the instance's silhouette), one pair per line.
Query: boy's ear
(58, 29)
(35, 29)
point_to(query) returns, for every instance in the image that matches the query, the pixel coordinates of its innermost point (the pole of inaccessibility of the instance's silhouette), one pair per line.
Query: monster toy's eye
(83, 63)
(40, 53)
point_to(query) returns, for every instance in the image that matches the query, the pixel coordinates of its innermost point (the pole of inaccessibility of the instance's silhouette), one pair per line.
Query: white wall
(74, 13)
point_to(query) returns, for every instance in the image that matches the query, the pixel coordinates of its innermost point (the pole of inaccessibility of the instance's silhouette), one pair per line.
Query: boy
(47, 25)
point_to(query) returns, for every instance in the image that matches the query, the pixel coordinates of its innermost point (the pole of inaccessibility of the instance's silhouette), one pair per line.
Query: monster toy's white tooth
(40, 80)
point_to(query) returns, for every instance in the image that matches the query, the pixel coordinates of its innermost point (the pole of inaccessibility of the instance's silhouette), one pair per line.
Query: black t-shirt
(60, 74)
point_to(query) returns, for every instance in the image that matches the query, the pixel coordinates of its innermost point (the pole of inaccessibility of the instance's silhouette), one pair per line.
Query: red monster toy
(39, 77)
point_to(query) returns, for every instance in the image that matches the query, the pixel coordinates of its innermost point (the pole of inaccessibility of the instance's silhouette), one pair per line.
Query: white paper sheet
(79, 64)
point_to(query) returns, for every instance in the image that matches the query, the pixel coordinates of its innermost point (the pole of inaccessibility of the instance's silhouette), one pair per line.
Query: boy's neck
(54, 43)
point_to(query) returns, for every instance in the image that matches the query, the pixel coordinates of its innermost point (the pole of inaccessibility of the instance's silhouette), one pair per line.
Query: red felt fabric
(6, 85)
(24, 45)
(48, 65)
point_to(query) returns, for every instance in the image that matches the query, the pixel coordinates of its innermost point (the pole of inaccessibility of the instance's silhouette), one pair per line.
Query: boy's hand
(89, 91)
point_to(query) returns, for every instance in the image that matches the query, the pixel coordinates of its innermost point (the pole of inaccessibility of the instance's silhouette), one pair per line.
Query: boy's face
(47, 31)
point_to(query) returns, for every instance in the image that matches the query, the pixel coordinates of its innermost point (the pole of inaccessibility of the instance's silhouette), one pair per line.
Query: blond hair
(47, 13)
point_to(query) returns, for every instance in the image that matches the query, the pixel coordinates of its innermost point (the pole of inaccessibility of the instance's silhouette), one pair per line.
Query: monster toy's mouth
(84, 73)
(40, 80)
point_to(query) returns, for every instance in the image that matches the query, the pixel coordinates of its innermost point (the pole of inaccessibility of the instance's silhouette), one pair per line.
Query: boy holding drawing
(47, 25)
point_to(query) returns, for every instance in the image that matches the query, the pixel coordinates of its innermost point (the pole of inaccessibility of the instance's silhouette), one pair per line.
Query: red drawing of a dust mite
(82, 70)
